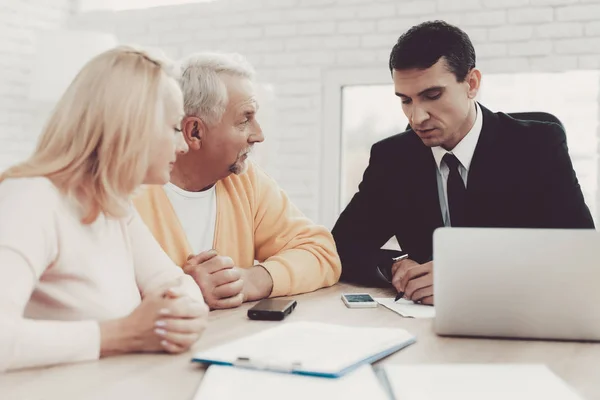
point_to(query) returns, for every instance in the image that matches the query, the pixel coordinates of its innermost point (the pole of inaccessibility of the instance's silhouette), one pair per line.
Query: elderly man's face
(232, 139)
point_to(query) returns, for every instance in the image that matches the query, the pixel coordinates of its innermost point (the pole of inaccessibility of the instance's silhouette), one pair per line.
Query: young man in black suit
(459, 165)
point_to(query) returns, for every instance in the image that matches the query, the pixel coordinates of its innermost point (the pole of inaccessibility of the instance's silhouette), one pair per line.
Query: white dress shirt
(463, 151)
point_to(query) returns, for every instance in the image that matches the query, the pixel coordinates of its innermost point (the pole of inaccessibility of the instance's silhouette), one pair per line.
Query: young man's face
(436, 105)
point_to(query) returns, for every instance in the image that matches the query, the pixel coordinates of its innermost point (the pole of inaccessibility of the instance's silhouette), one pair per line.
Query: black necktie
(456, 191)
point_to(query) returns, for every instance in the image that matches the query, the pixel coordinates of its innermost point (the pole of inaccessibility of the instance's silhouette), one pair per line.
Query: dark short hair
(423, 45)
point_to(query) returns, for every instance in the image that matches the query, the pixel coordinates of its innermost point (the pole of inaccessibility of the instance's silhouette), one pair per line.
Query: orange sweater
(255, 221)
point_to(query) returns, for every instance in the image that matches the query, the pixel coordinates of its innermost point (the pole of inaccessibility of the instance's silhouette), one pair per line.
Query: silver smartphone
(358, 300)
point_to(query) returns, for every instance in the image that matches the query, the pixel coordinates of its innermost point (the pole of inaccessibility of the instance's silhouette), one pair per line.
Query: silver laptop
(518, 283)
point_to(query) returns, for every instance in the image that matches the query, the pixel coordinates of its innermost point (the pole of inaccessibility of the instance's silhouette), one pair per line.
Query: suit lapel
(427, 196)
(483, 175)
(483, 161)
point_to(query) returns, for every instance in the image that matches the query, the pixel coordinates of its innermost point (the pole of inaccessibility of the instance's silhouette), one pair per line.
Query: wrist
(397, 264)
(258, 283)
(116, 338)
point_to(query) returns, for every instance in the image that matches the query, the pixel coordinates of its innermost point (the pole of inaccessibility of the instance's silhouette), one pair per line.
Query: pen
(396, 259)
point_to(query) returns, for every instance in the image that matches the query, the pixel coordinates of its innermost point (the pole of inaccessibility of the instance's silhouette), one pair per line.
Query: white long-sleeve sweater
(59, 278)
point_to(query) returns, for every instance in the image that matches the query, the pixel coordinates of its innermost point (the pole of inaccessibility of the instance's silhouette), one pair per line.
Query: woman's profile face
(168, 141)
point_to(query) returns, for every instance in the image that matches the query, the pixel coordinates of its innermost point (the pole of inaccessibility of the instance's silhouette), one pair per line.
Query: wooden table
(159, 376)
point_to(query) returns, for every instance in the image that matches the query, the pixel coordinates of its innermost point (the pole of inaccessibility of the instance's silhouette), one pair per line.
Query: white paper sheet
(230, 383)
(407, 308)
(476, 382)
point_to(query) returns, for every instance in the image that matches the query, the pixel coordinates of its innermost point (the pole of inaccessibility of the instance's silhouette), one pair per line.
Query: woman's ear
(194, 130)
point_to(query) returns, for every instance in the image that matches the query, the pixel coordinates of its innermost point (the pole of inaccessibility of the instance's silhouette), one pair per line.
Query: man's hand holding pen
(413, 281)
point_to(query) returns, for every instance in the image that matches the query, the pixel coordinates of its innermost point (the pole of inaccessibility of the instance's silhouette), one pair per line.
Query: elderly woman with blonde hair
(81, 277)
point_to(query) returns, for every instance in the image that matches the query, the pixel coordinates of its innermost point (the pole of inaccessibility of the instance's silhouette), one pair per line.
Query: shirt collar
(465, 149)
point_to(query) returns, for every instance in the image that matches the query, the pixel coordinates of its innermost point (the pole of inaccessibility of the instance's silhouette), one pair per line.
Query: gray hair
(204, 93)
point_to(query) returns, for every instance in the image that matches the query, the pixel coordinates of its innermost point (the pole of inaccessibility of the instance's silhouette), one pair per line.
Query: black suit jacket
(520, 176)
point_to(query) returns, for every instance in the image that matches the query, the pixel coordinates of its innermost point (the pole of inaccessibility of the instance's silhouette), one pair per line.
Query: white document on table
(407, 308)
(476, 382)
(230, 383)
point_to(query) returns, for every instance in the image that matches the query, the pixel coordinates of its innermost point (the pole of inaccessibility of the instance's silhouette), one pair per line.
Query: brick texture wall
(20, 22)
(294, 43)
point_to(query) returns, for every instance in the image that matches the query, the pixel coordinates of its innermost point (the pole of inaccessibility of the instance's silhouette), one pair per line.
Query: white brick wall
(587, 12)
(294, 43)
(19, 23)
(562, 30)
(509, 33)
(530, 15)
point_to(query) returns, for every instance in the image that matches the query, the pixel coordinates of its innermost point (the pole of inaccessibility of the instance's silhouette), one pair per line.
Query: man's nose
(257, 135)
(419, 115)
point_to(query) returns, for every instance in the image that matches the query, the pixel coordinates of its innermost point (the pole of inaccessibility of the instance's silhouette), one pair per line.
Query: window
(372, 112)
(369, 114)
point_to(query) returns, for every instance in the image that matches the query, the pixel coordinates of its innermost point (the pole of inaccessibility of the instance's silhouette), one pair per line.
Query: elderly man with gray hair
(221, 218)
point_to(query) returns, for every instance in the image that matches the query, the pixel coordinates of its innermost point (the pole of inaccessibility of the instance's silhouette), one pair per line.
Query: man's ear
(194, 130)
(474, 82)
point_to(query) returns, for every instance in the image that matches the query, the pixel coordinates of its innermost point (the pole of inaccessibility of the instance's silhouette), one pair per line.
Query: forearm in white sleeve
(153, 267)
(30, 343)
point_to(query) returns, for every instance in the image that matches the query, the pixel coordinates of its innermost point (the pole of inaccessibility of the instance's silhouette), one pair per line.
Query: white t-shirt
(197, 213)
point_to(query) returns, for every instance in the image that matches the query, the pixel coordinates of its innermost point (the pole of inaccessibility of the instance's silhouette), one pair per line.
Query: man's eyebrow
(249, 105)
(246, 112)
(422, 92)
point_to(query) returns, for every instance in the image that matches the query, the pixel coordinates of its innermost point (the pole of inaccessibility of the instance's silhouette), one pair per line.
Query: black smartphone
(272, 309)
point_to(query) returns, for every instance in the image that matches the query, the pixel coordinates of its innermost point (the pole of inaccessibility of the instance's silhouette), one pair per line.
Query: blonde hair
(95, 145)
(204, 93)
